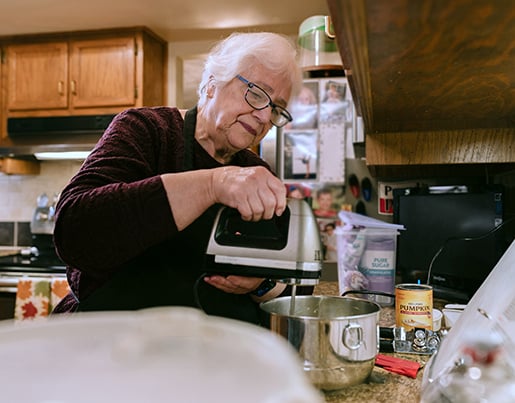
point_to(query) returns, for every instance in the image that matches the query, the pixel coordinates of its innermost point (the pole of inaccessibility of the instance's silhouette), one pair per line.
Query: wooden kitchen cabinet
(433, 80)
(103, 73)
(37, 76)
(94, 72)
(3, 120)
(19, 166)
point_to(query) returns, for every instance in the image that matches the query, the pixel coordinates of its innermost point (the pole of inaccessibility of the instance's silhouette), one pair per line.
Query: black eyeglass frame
(277, 110)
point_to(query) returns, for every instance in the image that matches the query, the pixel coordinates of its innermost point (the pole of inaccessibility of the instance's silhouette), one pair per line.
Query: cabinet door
(103, 72)
(37, 76)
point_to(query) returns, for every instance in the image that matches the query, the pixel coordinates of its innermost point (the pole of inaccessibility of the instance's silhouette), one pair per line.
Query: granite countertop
(382, 385)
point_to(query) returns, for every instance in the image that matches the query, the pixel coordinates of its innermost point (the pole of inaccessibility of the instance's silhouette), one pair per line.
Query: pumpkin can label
(414, 306)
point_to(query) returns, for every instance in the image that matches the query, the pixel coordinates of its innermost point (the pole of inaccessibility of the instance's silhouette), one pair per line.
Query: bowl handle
(352, 336)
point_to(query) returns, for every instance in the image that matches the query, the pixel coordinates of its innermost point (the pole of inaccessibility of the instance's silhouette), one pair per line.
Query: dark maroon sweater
(114, 217)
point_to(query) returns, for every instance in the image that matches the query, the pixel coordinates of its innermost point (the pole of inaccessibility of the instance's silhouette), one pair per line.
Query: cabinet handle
(73, 86)
(60, 87)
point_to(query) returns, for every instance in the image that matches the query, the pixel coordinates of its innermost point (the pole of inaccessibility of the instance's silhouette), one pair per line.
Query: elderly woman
(133, 224)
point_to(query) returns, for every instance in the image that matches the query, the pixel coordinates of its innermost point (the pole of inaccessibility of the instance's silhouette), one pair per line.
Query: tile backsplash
(16, 233)
(6, 233)
(18, 193)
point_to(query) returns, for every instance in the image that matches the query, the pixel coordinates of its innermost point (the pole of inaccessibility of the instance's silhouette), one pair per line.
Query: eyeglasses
(258, 98)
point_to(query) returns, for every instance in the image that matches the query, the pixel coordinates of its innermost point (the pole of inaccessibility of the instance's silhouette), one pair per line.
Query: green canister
(318, 49)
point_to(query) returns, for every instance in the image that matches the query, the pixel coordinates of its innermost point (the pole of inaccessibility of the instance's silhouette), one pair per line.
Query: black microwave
(454, 236)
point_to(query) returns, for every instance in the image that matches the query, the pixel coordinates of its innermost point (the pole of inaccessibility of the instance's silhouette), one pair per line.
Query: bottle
(481, 375)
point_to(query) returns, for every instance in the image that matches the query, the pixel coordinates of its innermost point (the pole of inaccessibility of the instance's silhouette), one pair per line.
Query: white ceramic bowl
(156, 355)
(451, 316)
(437, 320)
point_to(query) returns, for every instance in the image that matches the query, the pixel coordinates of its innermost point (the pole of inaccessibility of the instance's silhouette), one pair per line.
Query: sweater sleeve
(116, 207)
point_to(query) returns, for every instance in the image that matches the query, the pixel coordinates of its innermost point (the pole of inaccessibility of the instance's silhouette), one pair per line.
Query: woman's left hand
(244, 285)
(234, 284)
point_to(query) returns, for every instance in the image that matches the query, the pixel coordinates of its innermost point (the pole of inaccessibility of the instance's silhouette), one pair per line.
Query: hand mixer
(285, 248)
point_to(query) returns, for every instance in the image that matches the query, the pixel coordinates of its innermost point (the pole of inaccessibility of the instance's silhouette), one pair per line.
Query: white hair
(240, 51)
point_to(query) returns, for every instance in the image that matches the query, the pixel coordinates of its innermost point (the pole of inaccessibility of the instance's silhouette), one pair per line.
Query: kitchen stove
(25, 263)
(37, 261)
(32, 263)
(39, 258)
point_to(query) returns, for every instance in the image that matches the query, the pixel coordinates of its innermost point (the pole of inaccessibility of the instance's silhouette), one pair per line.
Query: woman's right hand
(254, 191)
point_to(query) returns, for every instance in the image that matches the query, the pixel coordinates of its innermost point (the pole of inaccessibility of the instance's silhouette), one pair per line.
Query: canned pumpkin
(414, 306)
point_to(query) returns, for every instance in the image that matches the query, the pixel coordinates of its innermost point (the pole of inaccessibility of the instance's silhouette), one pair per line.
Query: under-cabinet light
(62, 155)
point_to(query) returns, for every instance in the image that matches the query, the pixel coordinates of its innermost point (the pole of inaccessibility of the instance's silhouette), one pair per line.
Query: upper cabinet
(433, 80)
(84, 73)
(103, 73)
(37, 76)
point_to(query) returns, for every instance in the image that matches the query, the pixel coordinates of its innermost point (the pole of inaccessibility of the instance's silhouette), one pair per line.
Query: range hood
(62, 151)
(63, 135)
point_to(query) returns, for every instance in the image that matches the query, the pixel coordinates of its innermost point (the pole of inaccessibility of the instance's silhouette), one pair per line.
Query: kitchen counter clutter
(481, 341)
(134, 348)
(383, 385)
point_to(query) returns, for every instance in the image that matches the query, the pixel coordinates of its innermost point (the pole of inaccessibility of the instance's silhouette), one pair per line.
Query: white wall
(179, 54)
(185, 64)
(18, 193)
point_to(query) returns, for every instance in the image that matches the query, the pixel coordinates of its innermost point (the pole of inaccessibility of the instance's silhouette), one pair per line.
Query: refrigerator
(312, 154)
